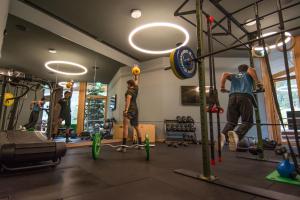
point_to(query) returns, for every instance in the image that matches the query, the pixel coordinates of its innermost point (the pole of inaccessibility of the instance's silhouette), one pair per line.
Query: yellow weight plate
(172, 62)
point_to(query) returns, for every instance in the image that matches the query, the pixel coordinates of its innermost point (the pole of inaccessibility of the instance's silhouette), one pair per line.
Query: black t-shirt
(133, 92)
(65, 106)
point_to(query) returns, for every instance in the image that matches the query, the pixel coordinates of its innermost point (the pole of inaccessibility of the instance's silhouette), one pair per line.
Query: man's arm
(127, 102)
(71, 89)
(252, 72)
(136, 79)
(225, 76)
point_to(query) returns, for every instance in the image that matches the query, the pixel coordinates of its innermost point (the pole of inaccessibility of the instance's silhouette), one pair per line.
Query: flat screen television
(190, 95)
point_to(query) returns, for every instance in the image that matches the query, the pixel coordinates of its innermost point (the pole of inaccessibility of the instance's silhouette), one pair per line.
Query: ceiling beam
(228, 15)
(4, 5)
(34, 16)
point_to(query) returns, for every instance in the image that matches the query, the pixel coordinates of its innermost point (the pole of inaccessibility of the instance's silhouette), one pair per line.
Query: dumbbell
(280, 151)
(178, 127)
(183, 128)
(173, 127)
(168, 127)
(179, 119)
(255, 151)
(183, 119)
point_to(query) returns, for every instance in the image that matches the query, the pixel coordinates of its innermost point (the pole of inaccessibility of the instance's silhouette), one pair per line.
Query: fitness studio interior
(149, 99)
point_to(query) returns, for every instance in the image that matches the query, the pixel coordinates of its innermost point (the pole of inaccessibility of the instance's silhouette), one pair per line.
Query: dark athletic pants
(239, 105)
(34, 117)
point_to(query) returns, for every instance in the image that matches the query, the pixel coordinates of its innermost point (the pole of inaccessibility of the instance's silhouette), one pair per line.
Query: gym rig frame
(206, 174)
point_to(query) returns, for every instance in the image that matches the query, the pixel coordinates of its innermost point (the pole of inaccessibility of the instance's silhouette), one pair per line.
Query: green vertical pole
(201, 76)
(257, 115)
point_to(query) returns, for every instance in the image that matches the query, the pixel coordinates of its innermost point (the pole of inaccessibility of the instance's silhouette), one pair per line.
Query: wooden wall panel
(297, 62)
(81, 107)
(272, 116)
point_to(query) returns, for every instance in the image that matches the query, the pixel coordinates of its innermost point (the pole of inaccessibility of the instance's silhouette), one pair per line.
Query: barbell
(183, 59)
(96, 146)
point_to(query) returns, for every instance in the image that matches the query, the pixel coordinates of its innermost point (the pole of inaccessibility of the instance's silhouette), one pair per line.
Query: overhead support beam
(267, 27)
(193, 24)
(273, 12)
(4, 6)
(34, 16)
(217, 23)
(228, 15)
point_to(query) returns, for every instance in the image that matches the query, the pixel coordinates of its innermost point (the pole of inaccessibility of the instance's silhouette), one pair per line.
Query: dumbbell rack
(178, 135)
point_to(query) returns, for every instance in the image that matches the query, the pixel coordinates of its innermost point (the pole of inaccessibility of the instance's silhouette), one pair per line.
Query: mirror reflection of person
(65, 112)
(35, 107)
(130, 114)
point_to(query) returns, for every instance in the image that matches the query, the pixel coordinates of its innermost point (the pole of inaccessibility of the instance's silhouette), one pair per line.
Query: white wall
(159, 92)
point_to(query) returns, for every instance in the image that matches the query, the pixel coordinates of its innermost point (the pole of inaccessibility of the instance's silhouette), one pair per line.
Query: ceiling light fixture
(51, 50)
(135, 13)
(49, 63)
(288, 38)
(250, 22)
(157, 24)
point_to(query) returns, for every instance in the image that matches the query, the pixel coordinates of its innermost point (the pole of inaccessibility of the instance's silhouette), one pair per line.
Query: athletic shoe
(233, 140)
(121, 149)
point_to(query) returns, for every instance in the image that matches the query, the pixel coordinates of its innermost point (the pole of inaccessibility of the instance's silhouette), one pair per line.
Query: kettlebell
(135, 70)
(286, 169)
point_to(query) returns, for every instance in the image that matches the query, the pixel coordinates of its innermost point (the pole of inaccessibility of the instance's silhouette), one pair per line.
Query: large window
(95, 105)
(283, 98)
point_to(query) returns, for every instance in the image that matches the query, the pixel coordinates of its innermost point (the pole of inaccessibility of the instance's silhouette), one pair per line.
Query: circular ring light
(49, 63)
(287, 34)
(157, 24)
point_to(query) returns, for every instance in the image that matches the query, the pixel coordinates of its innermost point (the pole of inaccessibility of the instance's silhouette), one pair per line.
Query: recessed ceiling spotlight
(250, 22)
(51, 50)
(135, 13)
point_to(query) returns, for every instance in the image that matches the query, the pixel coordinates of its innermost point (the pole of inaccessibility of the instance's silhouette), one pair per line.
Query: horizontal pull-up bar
(248, 42)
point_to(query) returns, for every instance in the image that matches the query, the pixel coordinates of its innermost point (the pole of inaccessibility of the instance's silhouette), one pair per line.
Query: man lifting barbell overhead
(130, 113)
(241, 103)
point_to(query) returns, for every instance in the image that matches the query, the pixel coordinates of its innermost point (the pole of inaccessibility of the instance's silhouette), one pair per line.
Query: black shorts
(133, 117)
(67, 119)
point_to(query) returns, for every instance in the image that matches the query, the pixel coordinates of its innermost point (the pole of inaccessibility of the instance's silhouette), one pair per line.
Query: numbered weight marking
(96, 146)
(183, 63)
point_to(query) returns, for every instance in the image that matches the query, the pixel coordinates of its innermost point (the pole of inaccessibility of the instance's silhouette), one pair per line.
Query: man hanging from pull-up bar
(241, 102)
